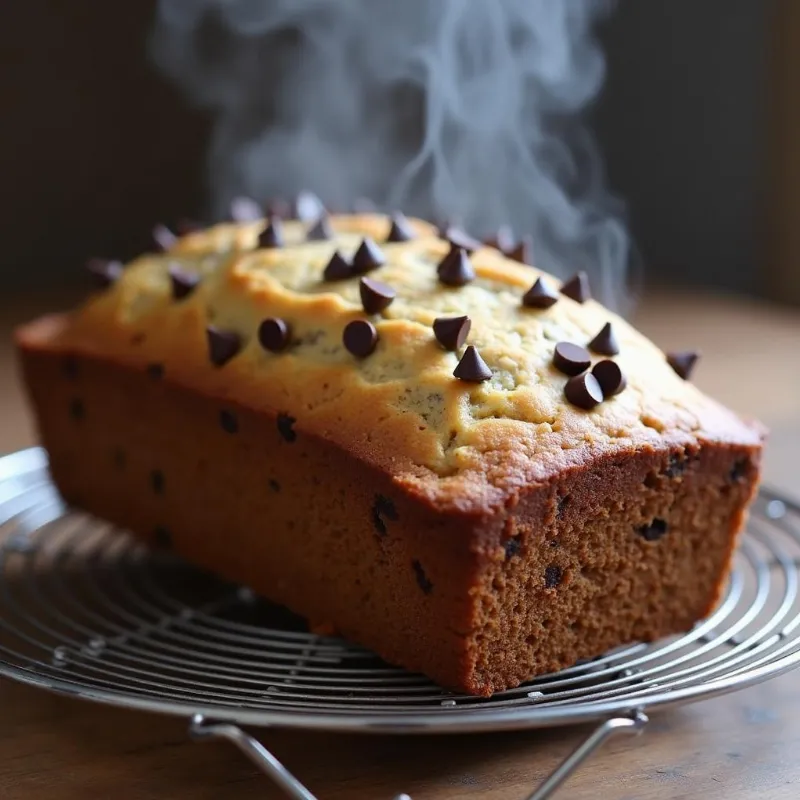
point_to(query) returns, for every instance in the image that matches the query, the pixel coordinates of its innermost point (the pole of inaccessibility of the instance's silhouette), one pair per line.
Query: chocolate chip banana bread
(450, 457)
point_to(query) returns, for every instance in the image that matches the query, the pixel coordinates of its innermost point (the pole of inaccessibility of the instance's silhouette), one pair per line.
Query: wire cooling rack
(86, 611)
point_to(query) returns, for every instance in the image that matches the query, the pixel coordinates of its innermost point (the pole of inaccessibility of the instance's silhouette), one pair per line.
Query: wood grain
(737, 747)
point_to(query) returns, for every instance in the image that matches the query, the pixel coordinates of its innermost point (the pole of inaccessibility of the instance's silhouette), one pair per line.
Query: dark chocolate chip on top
(321, 230)
(521, 251)
(338, 268)
(460, 239)
(584, 391)
(222, 345)
(272, 235)
(360, 337)
(571, 359)
(400, 229)
(451, 332)
(683, 363)
(286, 427)
(472, 368)
(610, 377)
(368, 256)
(577, 287)
(605, 342)
(183, 282)
(455, 269)
(540, 295)
(375, 295)
(274, 334)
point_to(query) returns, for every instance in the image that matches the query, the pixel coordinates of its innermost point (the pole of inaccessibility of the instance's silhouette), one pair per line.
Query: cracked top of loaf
(457, 444)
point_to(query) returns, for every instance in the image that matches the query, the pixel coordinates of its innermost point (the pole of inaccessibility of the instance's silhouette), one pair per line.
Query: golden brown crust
(463, 447)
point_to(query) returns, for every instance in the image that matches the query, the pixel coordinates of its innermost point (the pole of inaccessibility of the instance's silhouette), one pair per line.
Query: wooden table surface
(743, 745)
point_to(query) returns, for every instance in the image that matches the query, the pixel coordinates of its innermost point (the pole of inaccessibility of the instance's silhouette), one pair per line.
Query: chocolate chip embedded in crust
(273, 334)
(222, 345)
(360, 337)
(321, 230)
(654, 531)
(183, 283)
(683, 363)
(163, 237)
(452, 332)
(157, 481)
(375, 296)
(368, 256)
(272, 235)
(553, 577)
(512, 547)
(155, 371)
(577, 287)
(338, 268)
(104, 272)
(540, 295)
(162, 537)
(422, 578)
(286, 427)
(400, 230)
(383, 509)
(676, 466)
(472, 367)
(228, 421)
(740, 469)
(584, 391)
(605, 342)
(77, 410)
(455, 269)
(610, 377)
(571, 359)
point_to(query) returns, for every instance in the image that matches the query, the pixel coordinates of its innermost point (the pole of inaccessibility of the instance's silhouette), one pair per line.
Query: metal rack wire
(86, 611)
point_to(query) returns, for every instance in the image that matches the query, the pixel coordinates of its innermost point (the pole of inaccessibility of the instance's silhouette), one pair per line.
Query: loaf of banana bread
(449, 457)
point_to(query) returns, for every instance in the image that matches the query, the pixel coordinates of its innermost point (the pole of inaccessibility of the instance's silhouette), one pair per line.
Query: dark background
(95, 147)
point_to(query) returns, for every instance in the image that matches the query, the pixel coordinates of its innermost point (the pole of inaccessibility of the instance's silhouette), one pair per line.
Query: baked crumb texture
(481, 530)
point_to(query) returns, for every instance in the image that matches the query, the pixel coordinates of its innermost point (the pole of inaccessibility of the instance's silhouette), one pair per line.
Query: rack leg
(617, 725)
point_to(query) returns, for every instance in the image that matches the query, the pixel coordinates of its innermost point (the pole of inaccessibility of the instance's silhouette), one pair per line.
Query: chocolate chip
(307, 206)
(286, 427)
(272, 235)
(422, 578)
(461, 240)
(162, 537)
(683, 363)
(503, 240)
(553, 577)
(360, 337)
(245, 209)
(183, 283)
(605, 342)
(77, 410)
(400, 230)
(610, 377)
(654, 531)
(338, 268)
(273, 334)
(104, 272)
(540, 295)
(577, 287)
(561, 505)
(228, 421)
(375, 296)
(452, 332)
(676, 466)
(472, 367)
(367, 257)
(274, 485)
(571, 359)
(163, 237)
(70, 368)
(512, 547)
(584, 391)
(222, 345)
(740, 470)
(157, 481)
(455, 269)
(521, 251)
(155, 371)
(321, 230)
(118, 458)
(383, 509)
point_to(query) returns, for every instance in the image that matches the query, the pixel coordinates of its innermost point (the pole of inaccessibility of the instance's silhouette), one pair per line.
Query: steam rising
(460, 109)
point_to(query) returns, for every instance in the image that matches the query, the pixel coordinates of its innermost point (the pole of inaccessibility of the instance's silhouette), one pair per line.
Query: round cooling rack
(87, 611)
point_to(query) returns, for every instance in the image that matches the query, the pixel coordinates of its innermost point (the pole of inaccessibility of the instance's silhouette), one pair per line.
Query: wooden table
(739, 746)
